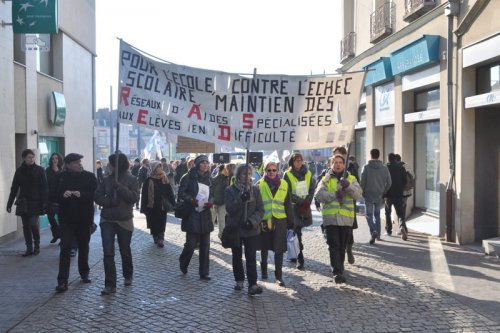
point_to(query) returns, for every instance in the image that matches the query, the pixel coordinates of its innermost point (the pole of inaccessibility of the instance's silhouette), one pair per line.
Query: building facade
(47, 97)
(432, 94)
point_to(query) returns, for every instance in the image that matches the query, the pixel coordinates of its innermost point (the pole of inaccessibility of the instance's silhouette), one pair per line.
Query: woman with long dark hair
(29, 189)
(157, 199)
(55, 166)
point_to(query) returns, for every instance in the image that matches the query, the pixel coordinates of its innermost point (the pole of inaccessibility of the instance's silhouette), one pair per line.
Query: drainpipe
(451, 10)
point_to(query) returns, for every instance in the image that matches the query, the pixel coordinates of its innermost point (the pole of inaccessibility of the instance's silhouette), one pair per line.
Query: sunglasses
(271, 170)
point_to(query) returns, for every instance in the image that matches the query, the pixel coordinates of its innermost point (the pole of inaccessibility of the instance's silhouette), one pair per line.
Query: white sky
(273, 36)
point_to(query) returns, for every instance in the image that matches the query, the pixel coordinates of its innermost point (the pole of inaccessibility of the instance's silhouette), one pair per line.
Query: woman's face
(297, 163)
(158, 170)
(243, 176)
(204, 166)
(338, 164)
(272, 170)
(54, 160)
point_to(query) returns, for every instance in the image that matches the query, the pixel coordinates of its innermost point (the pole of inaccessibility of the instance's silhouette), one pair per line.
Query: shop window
(427, 100)
(362, 113)
(488, 79)
(50, 63)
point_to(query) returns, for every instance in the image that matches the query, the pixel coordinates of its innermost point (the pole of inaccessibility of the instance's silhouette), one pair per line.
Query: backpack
(410, 181)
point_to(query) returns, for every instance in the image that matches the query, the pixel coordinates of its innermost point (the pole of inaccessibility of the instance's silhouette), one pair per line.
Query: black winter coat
(219, 185)
(73, 210)
(398, 177)
(196, 222)
(31, 183)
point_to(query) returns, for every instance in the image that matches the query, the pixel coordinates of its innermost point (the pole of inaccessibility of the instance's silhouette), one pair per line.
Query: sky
(271, 36)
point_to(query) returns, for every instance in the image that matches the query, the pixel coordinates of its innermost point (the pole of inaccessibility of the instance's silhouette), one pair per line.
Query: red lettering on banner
(247, 120)
(125, 93)
(195, 109)
(225, 133)
(140, 117)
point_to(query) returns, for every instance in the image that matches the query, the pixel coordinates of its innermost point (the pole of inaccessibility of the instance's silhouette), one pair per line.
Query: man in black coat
(394, 196)
(75, 195)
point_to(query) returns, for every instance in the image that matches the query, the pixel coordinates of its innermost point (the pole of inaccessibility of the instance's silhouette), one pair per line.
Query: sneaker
(404, 233)
(85, 279)
(239, 285)
(127, 281)
(108, 291)
(254, 290)
(350, 255)
(62, 287)
(374, 236)
(339, 278)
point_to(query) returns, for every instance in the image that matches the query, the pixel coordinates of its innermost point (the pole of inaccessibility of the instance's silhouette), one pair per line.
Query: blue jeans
(108, 232)
(373, 213)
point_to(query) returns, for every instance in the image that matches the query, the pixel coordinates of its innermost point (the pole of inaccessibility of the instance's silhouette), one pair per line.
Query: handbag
(167, 205)
(230, 237)
(181, 209)
(21, 206)
(292, 245)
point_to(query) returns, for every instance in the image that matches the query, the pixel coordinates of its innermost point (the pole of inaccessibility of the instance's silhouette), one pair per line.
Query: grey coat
(375, 181)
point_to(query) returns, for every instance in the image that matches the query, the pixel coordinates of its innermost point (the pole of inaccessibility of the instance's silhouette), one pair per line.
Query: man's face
(338, 164)
(29, 159)
(75, 166)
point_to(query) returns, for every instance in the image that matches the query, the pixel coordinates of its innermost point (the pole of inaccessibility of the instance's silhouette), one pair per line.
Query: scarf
(152, 185)
(272, 182)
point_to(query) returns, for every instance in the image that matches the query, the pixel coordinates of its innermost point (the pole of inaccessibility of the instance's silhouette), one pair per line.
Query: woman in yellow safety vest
(302, 186)
(336, 192)
(277, 219)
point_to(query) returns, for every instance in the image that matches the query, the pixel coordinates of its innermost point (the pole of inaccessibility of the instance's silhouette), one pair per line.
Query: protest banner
(261, 112)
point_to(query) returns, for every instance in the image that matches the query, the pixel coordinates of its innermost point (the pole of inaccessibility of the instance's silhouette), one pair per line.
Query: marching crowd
(251, 215)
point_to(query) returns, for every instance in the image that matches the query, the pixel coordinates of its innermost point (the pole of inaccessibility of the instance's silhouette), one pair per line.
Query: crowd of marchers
(252, 213)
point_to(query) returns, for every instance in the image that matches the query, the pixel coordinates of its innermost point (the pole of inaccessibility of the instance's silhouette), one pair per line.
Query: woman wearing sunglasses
(278, 217)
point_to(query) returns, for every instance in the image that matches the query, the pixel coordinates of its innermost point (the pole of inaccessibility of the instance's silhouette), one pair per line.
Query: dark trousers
(278, 263)
(54, 225)
(250, 245)
(82, 235)
(397, 202)
(188, 250)
(156, 221)
(298, 232)
(124, 237)
(31, 231)
(336, 238)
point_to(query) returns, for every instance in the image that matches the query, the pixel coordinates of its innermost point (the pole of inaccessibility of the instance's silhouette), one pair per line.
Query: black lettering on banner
(264, 137)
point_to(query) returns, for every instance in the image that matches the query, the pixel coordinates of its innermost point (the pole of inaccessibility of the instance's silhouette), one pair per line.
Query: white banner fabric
(261, 112)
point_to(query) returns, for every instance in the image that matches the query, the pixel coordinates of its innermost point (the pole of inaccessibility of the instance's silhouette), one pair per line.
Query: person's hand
(344, 182)
(9, 209)
(248, 225)
(208, 205)
(76, 193)
(67, 194)
(245, 196)
(340, 195)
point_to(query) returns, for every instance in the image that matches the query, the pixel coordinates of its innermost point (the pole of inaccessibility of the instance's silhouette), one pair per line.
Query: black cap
(71, 157)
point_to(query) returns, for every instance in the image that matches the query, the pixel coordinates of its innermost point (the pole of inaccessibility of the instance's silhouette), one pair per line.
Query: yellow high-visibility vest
(334, 207)
(294, 181)
(273, 206)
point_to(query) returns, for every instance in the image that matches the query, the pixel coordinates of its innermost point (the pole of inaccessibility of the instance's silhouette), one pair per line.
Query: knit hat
(199, 159)
(154, 165)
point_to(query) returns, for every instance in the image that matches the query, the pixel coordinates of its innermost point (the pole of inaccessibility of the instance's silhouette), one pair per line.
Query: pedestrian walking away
(277, 219)
(375, 182)
(117, 195)
(336, 192)
(394, 196)
(245, 211)
(302, 186)
(194, 191)
(157, 199)
(74, 192)
(29, 190)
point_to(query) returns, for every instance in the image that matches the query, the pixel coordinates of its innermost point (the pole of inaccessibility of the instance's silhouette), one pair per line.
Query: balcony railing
(417, 8)
(348, 47)
(381, 22)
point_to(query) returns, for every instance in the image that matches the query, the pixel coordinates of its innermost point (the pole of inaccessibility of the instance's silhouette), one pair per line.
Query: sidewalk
(421, 285)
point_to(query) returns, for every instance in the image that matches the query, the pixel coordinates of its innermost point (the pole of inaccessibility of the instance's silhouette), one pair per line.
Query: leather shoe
(28, 253)
(108, 291)
(62, 287)
(36, 252)
(53, 240)
(85, 279)
(205, 278)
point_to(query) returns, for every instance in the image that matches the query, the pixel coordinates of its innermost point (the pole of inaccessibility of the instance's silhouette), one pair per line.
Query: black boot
(28, 252)
(300, 261)
(62, 286)
(263, 268)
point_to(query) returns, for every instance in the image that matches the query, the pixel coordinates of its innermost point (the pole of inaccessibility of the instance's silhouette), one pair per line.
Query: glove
(9, 209)
(340, 195)
(194, 202)
(245, 196)
(208, 205)
(248, 225)
(344, 182)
